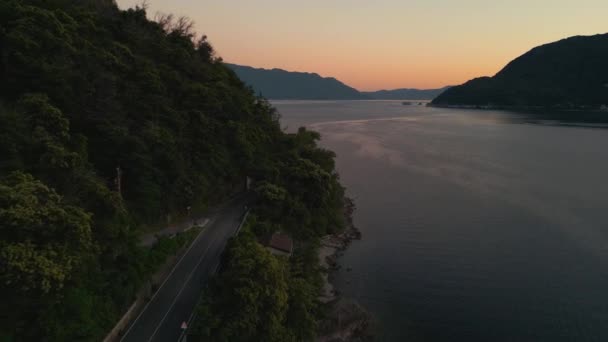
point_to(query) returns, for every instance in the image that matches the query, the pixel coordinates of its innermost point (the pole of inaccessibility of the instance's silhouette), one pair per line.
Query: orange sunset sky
(384, 44)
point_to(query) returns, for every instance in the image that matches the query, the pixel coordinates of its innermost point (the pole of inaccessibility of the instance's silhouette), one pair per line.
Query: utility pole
(118, 181)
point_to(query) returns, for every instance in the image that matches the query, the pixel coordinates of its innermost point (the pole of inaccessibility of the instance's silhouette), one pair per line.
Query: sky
(384, 44)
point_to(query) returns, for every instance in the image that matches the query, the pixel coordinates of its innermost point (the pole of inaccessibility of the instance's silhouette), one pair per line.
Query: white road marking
(182, 289)
(163, 283)
(217, 266)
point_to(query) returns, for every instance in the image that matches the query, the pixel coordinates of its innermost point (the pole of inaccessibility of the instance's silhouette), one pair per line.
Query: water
(477, 226)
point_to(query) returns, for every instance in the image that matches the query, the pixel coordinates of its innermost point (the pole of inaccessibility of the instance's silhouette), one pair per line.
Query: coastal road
(176, 298)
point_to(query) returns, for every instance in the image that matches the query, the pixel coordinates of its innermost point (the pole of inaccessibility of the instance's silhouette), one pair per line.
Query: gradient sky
(385, 44)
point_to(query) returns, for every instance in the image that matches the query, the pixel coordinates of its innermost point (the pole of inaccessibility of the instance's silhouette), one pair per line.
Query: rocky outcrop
(345, 319)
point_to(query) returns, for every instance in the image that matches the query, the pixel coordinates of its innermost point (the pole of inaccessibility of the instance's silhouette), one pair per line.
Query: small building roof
(281, 242)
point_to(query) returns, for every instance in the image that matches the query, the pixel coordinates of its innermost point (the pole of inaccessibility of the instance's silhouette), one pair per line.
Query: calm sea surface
(477, 226)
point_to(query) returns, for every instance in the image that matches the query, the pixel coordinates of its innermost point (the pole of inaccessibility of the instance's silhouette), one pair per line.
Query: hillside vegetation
(93, 97)
(571, 74)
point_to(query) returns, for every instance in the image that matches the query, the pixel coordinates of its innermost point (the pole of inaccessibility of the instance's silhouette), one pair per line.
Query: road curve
(174, 301)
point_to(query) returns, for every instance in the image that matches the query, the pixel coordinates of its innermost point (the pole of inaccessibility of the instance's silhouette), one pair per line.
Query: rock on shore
(345, 319)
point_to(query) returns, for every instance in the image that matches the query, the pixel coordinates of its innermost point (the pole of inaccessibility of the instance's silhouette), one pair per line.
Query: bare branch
(182, 26)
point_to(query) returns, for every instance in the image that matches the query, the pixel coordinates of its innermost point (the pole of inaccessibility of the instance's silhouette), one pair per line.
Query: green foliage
(167, 246)
(302, 318)
(147, 98)
(261, 297)
(302, 192)
(250, 299)
(45, 243)
(43, 240)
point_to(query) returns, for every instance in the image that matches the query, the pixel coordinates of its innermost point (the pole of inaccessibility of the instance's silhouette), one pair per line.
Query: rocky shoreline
(345, 319)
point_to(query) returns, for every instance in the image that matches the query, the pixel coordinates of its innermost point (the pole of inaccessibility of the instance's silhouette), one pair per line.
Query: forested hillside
(569, 74)
(108, 122)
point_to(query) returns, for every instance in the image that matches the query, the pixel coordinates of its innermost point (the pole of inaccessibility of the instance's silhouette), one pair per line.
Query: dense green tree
(302, 192)
(44, 244)
(43, 240)
(302, 317)
(250, 299)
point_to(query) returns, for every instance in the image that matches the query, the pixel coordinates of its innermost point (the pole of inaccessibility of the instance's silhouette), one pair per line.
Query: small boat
(406, 103)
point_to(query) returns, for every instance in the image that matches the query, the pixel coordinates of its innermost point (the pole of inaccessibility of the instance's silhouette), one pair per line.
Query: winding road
(174, 302)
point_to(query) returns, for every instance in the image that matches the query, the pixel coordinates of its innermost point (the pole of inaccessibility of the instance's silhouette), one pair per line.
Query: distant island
(571, 74)
(278, 84)
(406, 94)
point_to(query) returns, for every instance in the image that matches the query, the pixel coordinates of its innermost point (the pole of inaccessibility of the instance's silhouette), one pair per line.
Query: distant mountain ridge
(279, 84)
(570, 74)
(406, 94)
